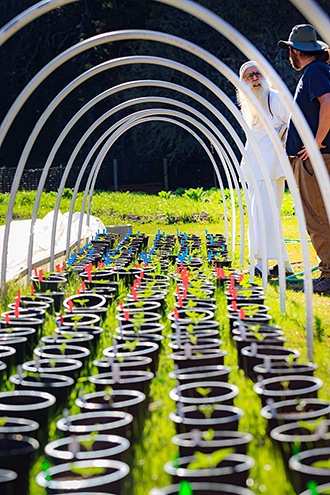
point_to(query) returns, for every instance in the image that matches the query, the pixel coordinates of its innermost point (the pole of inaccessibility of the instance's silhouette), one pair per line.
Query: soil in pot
(101, 474)
(198, 393)
(64, 366)
(125, 363)
(203, 417)
(184, 359)
(257, 354)
(127, 380)
(87, 447)
(62, 351)
(201, 374)
(234, 468)
(149, 349)
(203, 489)
(289, 411)
(210, 441)
(284, 387)
(102, 422)
(86, 300)
(284, 368)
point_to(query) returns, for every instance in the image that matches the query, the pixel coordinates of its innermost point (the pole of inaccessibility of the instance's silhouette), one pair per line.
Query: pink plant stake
(176, 313)
(19, 296)
(63, 267)
(222, 273)
(234, 294)
(35, 271)
(242, 314)
(70, 304)
(83, 286)
(58, 268)
(234, 305)
(241, 277)
(61, 319)
(41, 275)
(7, 319)
(126, 315)
(178, 290)
(121, 305)
(16, 311)
(32, 289)
(184, 294)
(180, 302)
(141, 274)
(78, 292)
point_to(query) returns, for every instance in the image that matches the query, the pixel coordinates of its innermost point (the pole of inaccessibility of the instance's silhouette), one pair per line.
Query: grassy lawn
(193, 215)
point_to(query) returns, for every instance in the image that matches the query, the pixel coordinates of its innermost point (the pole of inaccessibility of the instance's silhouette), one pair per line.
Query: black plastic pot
(28, 322)
(64, 366)
(219, 417)
(103, 447)
(150, 349)
(273, 353)
(56, 295)
(55, 351)
(72, 338)
(7, 355)
(71, 320)
(185, 334)
(29, 333)
(19, 426)
(64, 480)
(217, 393)
(289, 411)
(129, 380)
(189, 442)
(52, 283)
(101, 312)
(95, 331)
(7, 481)
(55, 384)
(318, 490)
(288, 387)
(102, 422)
(233, 469)
(204, 489)
(204, 325)
(293, 438)
(125, 362)
(28, 404)
(20, 344)
(205, 358)
(303, 471)
(148, 317)
(186, 316)
(198, 344)
(284, 368)
(201, 374)
(121, 400)
(140, 306)
(86, 300)
(17, 453)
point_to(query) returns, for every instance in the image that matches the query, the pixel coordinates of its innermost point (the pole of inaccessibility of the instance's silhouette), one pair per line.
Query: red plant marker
(78, 291)
(58, 268)
(242, 314)
(19, 296)
(234, 294)
(218, 273)
(32, 289)
(178, 270)
(184, 294)
(222, 273)
(41, 275)
(35, 271)
(241, 277)
(102, 264)
(138, 266)
(176, 313)
(232, 283)
(126, 315)
(121, 305)
(181, 266)
(180, 302)
(216, 266)
(70, 304)
(63, 267)
(89, 276)
(141, 274)
(61, 319)
(98, 264)
(234, 305)
(7, 318)
(16, 312)
(83, 286)
(138, 282)
(145, 264)
(178, 290)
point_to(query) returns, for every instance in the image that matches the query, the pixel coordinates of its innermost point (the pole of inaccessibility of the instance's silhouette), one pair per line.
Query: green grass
(148, 214)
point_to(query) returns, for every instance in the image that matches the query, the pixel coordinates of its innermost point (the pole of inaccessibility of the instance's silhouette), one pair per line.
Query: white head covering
(246, 65)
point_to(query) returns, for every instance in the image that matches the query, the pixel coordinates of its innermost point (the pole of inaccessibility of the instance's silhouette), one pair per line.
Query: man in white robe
(279, 116)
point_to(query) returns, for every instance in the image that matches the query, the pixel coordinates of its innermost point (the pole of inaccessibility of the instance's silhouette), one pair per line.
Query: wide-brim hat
(303, 37)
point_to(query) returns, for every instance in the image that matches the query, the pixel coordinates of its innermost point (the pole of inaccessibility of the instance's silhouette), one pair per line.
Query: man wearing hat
(311, 56)
(279, 116)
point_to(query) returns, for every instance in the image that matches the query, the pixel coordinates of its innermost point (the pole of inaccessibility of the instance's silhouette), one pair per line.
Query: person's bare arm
(324, 124)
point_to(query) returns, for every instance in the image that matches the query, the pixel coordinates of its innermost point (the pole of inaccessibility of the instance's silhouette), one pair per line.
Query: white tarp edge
(20, 232)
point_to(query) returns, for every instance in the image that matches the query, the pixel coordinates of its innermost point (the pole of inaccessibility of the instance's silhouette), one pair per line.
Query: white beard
(248, 110)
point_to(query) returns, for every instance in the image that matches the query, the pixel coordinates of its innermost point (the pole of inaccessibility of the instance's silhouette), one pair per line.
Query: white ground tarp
(19, 239)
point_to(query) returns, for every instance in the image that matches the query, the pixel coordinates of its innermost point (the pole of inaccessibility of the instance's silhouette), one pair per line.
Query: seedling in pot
(204, 391)
(88, 444)
(207, 410)
(209, 461)
(87, 472)
(208, 435)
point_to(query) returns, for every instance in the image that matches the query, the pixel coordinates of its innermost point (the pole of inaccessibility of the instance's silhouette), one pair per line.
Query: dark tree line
(139, 151)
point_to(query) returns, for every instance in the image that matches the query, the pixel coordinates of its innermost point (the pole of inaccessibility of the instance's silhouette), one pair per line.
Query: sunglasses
(250, 76)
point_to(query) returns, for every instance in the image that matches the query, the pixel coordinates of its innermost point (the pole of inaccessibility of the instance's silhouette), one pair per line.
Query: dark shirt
(315, 82)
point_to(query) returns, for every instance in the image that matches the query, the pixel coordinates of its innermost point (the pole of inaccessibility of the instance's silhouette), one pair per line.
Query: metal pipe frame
(211, 19)
(89, 73)
(220, 151)
(155, 36)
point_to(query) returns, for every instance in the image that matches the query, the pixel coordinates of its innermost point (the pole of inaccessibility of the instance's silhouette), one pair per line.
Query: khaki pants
(316, 216)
